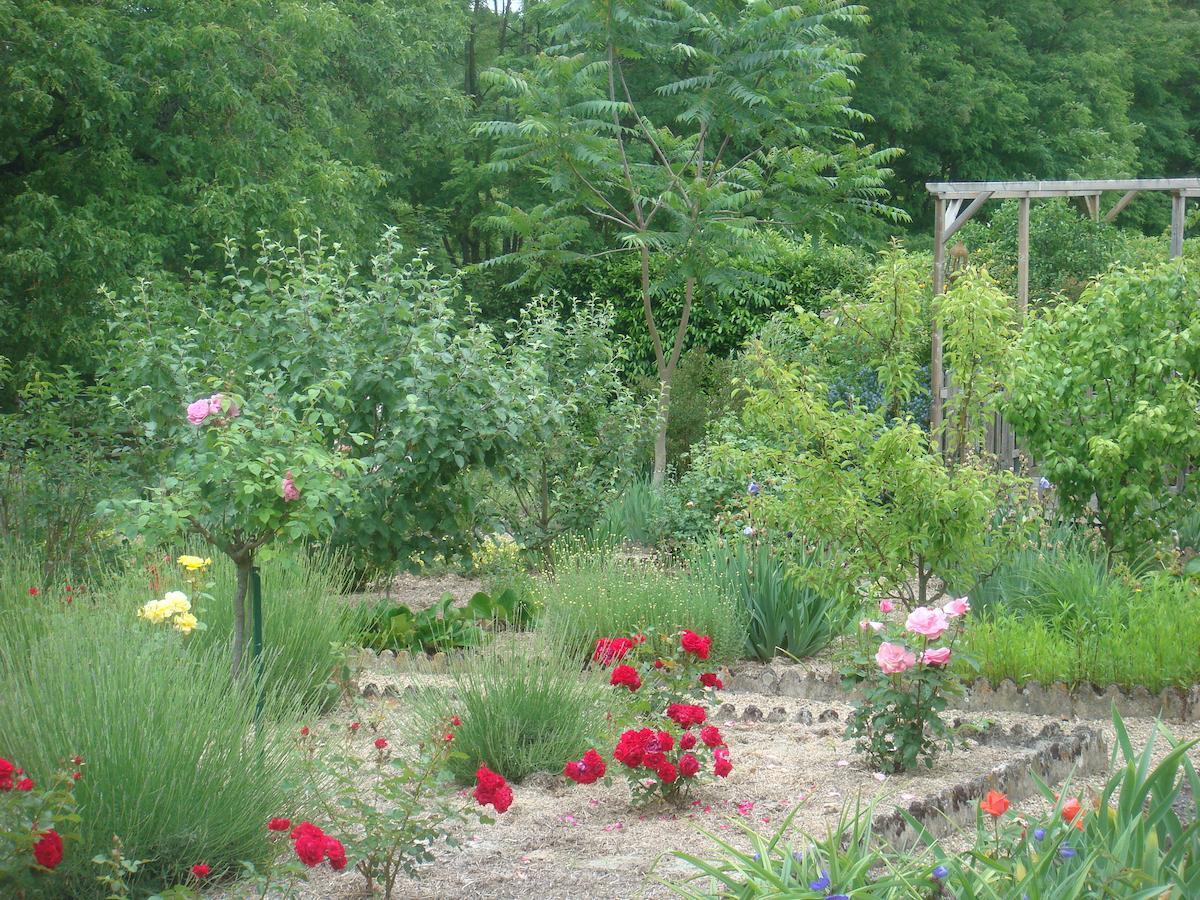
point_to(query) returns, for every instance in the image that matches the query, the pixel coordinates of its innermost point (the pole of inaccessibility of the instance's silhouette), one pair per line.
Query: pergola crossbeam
(949, 217)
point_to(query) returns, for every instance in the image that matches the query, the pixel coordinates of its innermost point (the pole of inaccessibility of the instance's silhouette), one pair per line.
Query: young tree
(682, 131)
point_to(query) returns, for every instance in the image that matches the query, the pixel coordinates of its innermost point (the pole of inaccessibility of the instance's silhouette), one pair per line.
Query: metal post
(939, 285)
(256, 642)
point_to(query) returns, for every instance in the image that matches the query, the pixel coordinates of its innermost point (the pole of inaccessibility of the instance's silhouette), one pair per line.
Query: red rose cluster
(312, 845)
(490, 787)
(695, 644)
(588, 770)
(7, 771)
(686, 714)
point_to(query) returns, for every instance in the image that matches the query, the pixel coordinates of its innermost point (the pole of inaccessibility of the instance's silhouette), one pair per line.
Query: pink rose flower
(231, 408)
(938, 657)
(957, 607)
(291, 493)
(894, 658)
(200, 410)
(885, 606)
(926, 621)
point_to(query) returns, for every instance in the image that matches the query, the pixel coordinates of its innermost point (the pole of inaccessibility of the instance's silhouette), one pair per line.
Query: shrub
(595, 594)
(175, 762)
(791, 607)
(701, 393)
(1104, 393)
(523, 706)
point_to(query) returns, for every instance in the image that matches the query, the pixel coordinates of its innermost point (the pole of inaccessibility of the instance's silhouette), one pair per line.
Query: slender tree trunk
(244, 565)
(659, 473)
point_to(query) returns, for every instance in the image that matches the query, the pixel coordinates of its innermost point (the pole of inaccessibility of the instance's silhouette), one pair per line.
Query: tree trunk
(244, 565)
(659, 474)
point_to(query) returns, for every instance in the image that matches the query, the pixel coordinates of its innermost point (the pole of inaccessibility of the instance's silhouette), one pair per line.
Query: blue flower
(1045, 484)
(1039, 833)
(1066, 851)
(940, 872)
(797, 856)
(757, 857)
(748, 531)
(837, 897)
(753, 487)
(821, 883)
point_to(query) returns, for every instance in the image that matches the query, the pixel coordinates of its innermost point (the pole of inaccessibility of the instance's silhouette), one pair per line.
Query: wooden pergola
(955, 202)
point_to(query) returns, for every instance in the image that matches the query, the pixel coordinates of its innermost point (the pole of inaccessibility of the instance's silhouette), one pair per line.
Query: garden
(609, 546)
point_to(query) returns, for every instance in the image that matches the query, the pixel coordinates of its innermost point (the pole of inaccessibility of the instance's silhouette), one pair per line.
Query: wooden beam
(1092, 202)
(1178, 209)
(959, 221)
(1022, 258)
(939, 285)
(1120, 205)
(1002, 190)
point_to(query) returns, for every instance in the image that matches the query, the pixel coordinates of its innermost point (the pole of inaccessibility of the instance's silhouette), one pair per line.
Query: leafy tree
(677, 131)
(1104, 395)
(135, 137)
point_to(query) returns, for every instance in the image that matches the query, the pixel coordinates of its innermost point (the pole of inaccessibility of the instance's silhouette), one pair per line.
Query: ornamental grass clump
(593, 594)
(175, 763)
(524, 707)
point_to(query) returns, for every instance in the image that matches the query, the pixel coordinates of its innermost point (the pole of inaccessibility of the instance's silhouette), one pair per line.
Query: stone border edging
(1057, 699)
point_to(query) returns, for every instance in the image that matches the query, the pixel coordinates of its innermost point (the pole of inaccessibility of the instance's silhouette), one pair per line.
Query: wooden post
(1178, 204)
(939, 285)
(1022, 258)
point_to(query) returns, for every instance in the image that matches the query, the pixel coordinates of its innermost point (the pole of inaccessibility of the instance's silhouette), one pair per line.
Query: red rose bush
(672, 747)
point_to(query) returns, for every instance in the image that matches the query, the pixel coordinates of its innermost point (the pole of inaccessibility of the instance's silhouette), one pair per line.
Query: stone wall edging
(1056, 699)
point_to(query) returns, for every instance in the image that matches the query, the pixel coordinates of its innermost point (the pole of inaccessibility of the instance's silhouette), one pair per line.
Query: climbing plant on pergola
(955, 202)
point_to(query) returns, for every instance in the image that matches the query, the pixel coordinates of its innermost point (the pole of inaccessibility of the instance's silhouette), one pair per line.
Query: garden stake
(257, 638)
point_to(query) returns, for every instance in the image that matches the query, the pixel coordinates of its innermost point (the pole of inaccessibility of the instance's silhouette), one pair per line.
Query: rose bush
(903, 673)
(37, 821)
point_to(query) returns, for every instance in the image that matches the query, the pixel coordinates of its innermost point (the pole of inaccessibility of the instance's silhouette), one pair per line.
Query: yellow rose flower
(176, 602)
(194, 563)
(185, 622)
(155, 611)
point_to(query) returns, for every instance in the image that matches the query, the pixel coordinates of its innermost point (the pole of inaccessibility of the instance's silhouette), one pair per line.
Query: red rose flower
(354, 726)
(710, 679)
(667, 773)
(304, 731)
(76, 775)
(455, 721)
(490, 787)
(588, 770)
(200, 870)
(336, 853)
(687, 741)
(711, 736)
(610, 650)
(306, 830)
(48, 851)
(6, 774)
(25, 784)
(721, 764)
(310, 849)
(279, 824)
(631, 747)
(652, 759)
(695, 644)
(688, 765)
(626, 676)
(380, 744)
(686, 714)
(33, 592)
(448, 736)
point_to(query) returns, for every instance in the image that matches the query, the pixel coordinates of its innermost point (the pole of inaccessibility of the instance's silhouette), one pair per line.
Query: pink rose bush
(903, 671)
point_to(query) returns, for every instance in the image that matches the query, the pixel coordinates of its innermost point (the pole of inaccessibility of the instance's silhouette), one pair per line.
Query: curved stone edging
(1034, 698)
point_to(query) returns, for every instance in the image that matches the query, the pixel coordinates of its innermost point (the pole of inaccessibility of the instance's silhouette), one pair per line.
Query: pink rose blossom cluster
(922, 626)
(199, 411)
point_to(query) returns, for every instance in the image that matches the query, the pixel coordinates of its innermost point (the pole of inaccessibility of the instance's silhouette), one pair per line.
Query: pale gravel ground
(561, 840)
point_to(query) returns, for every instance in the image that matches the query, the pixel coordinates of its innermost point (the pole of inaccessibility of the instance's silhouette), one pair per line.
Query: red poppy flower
(200, 870)
(994, 804)
(1071, 809)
